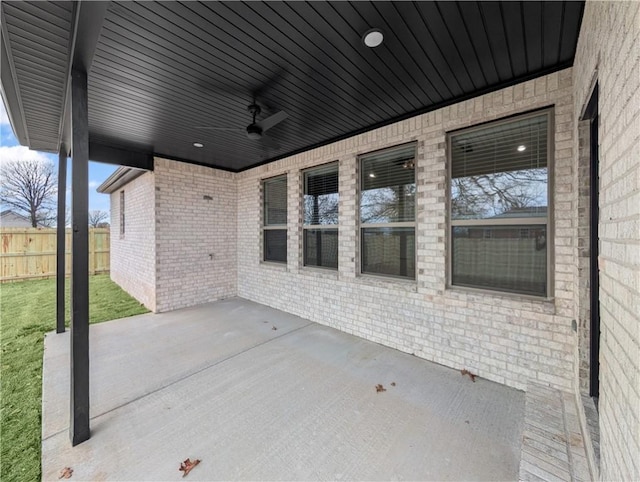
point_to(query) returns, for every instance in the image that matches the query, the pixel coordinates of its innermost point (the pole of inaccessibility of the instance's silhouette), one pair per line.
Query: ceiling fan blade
(207, 128)
(267, 85)
(270, 143)
(271, 121)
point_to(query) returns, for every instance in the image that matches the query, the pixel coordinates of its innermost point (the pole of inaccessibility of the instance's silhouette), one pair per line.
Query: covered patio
(260, 394)
(221, 115)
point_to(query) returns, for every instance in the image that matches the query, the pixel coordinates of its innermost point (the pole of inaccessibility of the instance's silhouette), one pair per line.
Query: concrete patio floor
(218, 383)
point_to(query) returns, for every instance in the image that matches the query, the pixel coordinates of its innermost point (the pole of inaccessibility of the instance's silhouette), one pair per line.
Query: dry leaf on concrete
(187, 465)
(66, 473)
(380, 388)
(464, 372)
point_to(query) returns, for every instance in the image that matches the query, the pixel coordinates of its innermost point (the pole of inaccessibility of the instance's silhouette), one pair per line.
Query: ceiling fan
(255, 130)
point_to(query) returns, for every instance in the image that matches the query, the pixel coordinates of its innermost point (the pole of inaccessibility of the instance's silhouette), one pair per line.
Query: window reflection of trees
(321, 209)
(388, 204)
(495, 194)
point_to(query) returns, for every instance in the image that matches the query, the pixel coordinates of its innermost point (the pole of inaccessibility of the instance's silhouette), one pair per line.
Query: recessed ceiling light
(372, 38)
(371, 174)
(198, 144)
(522, 148)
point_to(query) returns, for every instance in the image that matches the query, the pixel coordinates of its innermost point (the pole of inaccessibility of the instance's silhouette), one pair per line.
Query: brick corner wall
(195, 233)
(133, 255)
(609, 51)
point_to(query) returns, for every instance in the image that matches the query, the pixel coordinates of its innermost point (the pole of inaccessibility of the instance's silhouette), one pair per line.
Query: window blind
(387, 198)
(515, 146)
(388, 186)
(321, 181)
(321, 195)
(389, 168)
(499, 194)
(321, 248)
(275, 201)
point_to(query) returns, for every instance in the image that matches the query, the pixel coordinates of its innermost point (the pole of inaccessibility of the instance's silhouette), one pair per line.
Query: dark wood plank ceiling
(162, 70)
(39, 36)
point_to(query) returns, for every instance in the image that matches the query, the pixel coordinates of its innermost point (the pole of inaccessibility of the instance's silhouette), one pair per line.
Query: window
(320, 203)
(121, 213)
(499, 206)
(274, 228)
(387, 212)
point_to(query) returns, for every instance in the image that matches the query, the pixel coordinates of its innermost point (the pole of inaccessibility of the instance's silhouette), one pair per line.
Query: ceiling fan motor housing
(254, 132)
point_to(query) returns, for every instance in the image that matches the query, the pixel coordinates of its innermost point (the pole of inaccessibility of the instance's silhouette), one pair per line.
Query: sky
(11, 149)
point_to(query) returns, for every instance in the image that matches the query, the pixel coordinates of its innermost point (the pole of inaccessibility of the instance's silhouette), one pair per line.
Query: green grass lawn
(27, 312)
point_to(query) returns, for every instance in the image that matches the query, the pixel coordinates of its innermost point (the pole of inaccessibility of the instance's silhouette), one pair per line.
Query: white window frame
(533, 221)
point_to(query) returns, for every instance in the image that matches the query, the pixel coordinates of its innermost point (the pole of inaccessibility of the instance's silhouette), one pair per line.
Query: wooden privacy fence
(30, 253)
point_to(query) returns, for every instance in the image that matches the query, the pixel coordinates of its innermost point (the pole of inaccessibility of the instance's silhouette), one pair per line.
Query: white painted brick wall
(133, 255)
(502, 338)
(609, 49)
(195, 234)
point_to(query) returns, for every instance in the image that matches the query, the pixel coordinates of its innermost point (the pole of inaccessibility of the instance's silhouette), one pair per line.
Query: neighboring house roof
(11, 219)
(119, 178)
(529, 211)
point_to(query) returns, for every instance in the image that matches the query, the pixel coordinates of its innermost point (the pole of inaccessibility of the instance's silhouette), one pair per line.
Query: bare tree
(30, 187)
(494, 194)
(388, 204)
(97, 218)
(321, 209)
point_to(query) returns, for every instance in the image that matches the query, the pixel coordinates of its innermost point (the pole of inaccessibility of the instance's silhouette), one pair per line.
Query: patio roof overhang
(122, 82)
(160, 71)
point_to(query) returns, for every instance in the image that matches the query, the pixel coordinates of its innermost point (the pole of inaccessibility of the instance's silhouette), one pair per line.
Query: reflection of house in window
(514, 231)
